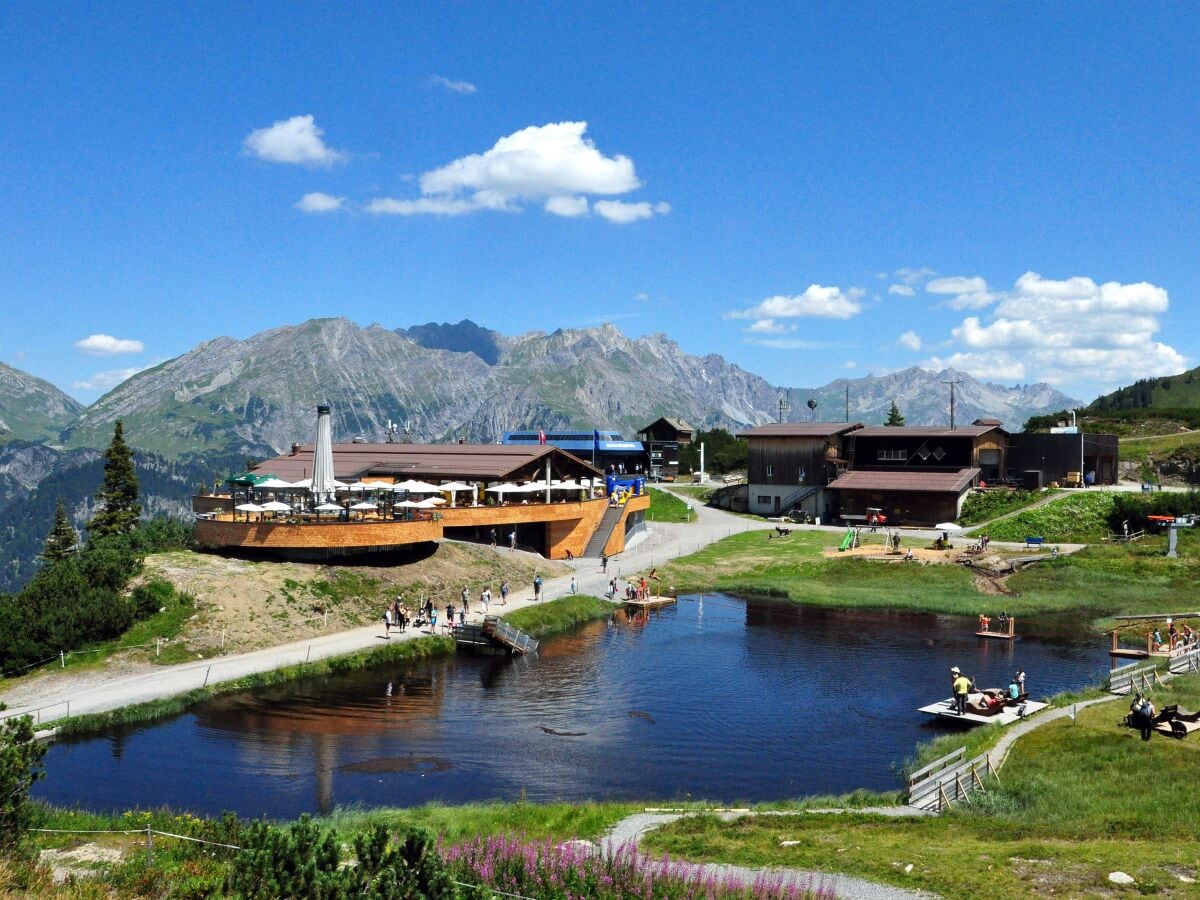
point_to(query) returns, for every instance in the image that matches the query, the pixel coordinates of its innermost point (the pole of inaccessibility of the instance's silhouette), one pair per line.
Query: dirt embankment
(246, 605)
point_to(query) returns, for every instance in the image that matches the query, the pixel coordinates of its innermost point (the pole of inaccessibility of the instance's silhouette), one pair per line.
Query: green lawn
(1099, 581)
(1075, 802)
(556, 616)
(666, 507)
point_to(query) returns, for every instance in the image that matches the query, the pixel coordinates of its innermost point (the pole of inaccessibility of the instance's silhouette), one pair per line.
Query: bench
(1034, 541)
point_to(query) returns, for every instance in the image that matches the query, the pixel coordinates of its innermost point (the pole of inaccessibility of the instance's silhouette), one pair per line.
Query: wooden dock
(650, 602)
(986, 632)
(494, 636)
(944, 709)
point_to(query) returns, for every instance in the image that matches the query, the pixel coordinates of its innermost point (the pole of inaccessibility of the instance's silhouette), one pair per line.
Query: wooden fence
(1185, 663)
(1135, 677)
(948, 780)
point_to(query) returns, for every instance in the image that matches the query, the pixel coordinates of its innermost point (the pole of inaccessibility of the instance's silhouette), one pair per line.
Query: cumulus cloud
(964, 292)
(817, 301)
(912, 276)
(550, 164)
(102, 381)
(567, 205)
(850, 364)
(910, 339)
(317, 202)
(1068, 331)
(458, 87)
(107, 345)
(294, 140)
(902, 290)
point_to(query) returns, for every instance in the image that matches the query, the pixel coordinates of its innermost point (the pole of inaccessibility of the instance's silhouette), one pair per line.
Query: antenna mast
(952, 384)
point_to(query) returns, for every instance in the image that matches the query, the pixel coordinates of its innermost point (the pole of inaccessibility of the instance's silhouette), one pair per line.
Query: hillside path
(49, 696)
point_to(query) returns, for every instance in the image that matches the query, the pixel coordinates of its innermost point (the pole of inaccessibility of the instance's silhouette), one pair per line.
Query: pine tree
(119, 508)
(60, 543)
(894, 419)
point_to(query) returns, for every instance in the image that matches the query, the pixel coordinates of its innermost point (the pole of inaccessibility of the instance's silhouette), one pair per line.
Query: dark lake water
(714, 698)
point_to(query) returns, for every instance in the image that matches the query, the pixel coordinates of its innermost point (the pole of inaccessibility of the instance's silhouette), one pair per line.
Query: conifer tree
(118, 495)
(60, 543)
(894, 419)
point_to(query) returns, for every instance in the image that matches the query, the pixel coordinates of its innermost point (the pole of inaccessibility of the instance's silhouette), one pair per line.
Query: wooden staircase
(595, 547)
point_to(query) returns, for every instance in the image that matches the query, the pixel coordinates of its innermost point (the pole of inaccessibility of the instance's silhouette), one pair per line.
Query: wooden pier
(494, 636)
(945, 709)
(986, 632)
(650, 602)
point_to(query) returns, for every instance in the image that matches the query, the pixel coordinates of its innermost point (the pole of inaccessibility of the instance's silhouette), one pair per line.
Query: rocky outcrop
(32, 409)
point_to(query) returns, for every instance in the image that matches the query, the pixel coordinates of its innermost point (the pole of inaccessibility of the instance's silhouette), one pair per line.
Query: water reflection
(714, 697)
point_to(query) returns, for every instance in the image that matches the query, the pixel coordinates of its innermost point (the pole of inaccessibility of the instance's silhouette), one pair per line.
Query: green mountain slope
(32, 409)
(1168, 392)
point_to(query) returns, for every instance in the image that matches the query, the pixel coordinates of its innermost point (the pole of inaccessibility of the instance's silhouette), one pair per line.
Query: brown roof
(800, 429)
(996, 422)
(929, 482)
(486, 462)
(941, 431)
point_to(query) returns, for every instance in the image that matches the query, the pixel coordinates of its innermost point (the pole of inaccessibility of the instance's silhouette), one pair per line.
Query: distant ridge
(1167, 392)
(444, 382)
(32, 409)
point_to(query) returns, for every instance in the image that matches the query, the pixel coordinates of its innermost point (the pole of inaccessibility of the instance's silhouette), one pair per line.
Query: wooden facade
(791, 463)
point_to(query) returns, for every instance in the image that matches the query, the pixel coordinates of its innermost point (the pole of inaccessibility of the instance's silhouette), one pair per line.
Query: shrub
(20, 766)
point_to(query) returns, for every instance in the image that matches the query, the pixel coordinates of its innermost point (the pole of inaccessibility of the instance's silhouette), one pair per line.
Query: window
(770, 471)
(891, 455)
(764, 499)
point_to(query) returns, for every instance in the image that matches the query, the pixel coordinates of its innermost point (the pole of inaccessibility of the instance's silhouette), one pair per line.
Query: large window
(770, 471)
(891, 455)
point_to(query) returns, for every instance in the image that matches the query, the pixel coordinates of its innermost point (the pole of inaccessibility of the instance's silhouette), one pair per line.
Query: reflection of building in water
(288, 733)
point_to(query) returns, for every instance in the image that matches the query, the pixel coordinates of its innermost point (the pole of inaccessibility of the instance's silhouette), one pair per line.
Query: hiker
(574, 587)
(485, 597)
(537, 587)
(1141, 715)
(504, 593)
(604, 563)
(387, 623)
(466, 599)
(512, 541)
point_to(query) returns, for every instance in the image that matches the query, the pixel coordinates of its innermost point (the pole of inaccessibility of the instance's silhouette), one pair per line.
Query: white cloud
(641, 297)
(816, 301)
(910, 339)
(459, 87)
(622, 213)
(787, 343)
(1068, 331)
(850, 364)
(317, 202)
(766, 326)
(567, 205)
(956, 284)
(107, 345)
(294, 140)
(550, 164)
(102, 381)
(902, 290)
(912, 276)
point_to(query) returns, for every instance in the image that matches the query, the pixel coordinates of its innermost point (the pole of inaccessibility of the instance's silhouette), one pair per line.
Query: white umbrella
(329, 507)
(418, 487)
(454, 486)
(506, 487)
(306, 483)
(276, 506)
(429, 502)
(948, 526)
(371, 486)
(250, 507)
(534, 487)
(273, 484)
(409, 504)
(364, 506)
(568, 485)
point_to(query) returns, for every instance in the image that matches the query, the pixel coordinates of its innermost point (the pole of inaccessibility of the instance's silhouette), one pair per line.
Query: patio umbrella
(502, 489)
(364, 505)
(273, 484)
(429, 503)
(306, 483)
(418, 487)
(276, 506)
(371, 486)
(454, 486)
(568, 485)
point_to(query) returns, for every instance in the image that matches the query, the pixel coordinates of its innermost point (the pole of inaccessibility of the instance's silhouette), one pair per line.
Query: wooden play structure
(1006, 632)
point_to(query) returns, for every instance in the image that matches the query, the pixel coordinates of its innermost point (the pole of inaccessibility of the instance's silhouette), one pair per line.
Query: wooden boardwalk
(944, 709)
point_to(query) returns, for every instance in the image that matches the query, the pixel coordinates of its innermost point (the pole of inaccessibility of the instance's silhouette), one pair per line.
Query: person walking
(1021, 680)
(612, 588)
(504, 593)
(512, 541)
(485, 597)
(604, 563)
(387, 623)
(537, 587)
(574, 586)
(466, 599)
(492, 537)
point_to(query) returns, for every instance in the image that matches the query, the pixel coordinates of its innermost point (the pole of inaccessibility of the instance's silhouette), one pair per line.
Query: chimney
(295, 449)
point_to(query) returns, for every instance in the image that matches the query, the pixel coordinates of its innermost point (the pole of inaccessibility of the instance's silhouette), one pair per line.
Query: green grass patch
(556, 616)
(1075, 802)
(398, 652)
(1078, 518)
(666, 507)
(983, 506)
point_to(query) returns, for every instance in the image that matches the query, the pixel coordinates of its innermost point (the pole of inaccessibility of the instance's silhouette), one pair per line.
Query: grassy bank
(1096, 582)
(1076, 802)
(665, 507)
(559, 615)
(399, 652)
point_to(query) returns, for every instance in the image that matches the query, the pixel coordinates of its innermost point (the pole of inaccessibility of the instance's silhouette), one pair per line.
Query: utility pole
(847, 403)
(784, 406)
(952, 384)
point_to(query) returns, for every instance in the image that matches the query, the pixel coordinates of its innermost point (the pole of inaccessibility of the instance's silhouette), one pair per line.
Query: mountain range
(443, 382)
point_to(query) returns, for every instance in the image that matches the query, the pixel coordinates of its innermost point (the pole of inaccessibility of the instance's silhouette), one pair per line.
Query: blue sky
(812, 192)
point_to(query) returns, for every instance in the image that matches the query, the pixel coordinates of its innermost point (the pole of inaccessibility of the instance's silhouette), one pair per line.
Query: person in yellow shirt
(962, 687)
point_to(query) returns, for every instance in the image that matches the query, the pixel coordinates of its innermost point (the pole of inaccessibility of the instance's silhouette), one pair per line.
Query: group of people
(1002, 620)
(993, 698)
(1184, 639)
(397, 614)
